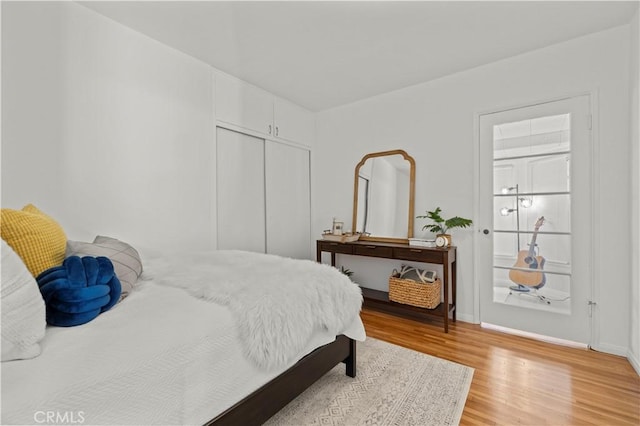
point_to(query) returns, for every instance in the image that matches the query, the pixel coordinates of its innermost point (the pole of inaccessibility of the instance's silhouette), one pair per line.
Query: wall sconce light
(506, 211)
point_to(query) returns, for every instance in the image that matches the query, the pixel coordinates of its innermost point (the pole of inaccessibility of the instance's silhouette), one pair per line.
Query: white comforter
(159, 357)
(276, 302)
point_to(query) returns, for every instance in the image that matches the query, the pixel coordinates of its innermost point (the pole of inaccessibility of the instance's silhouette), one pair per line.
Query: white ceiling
(325, 54)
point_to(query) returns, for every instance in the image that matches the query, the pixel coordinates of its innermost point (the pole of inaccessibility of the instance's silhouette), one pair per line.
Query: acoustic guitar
(528, 259)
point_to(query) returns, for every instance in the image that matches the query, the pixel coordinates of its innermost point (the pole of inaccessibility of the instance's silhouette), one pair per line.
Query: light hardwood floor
(523, 381)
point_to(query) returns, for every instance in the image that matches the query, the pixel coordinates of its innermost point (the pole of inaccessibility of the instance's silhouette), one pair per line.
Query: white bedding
(159, 357)
(276, 302)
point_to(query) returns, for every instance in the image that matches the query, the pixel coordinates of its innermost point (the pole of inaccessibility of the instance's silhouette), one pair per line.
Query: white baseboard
(534, 336)
(633, 360)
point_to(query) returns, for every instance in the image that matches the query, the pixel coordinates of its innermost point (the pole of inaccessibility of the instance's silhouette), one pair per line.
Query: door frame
(595, 199)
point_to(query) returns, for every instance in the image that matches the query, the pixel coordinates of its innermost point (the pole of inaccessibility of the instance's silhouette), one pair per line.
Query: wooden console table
(376, 299)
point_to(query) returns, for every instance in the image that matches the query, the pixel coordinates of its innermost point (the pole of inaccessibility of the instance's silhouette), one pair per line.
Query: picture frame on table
(337, 228)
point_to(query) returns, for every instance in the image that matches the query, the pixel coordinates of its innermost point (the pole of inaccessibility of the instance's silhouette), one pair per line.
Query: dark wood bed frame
(259, 406)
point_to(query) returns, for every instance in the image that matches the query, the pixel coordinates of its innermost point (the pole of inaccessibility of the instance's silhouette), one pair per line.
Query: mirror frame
(412, 183)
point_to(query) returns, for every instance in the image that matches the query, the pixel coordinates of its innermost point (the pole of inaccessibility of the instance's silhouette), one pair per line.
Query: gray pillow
(126, 260)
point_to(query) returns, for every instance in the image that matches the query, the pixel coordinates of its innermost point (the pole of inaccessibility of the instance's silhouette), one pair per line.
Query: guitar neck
(532, 244)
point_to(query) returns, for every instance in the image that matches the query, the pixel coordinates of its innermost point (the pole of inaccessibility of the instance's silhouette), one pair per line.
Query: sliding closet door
(240, 191)
(288, 200)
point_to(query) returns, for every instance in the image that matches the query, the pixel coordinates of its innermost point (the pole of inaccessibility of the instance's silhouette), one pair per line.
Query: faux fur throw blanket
(277, 302)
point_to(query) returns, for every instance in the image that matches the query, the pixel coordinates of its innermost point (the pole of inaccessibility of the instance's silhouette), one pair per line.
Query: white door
(240, 191)
(535, 244)
(288, 200)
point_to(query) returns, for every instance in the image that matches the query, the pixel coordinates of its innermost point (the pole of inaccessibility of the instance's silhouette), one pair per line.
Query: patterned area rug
(394, 386)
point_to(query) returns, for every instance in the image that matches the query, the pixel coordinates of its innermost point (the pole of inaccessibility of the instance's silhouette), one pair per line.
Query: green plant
(347, 272)
(441, 225)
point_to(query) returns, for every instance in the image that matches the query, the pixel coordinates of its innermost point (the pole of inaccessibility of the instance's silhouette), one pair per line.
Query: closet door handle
(277, 130)
(269, 128)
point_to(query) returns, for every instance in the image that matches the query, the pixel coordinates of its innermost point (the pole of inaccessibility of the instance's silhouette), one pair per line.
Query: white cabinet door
(288, 200)
(243, 105)
(293, 123)
(240, 191)
(249, 107)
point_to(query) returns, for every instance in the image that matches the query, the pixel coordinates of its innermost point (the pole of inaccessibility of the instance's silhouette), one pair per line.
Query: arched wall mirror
(383, 196)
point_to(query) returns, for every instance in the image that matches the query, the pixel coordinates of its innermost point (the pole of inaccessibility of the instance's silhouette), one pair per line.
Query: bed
(186, 347)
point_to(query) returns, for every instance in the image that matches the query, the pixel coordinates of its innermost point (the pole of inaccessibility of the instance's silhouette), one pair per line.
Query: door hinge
(591, 304)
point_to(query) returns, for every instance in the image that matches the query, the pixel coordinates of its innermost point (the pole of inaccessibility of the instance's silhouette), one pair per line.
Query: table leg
(453, 288)
(445, 284)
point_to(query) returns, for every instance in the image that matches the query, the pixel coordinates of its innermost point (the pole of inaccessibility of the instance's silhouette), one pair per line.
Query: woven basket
(409, 292)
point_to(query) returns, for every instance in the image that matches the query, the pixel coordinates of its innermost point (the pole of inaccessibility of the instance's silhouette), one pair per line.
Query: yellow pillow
(35, 237)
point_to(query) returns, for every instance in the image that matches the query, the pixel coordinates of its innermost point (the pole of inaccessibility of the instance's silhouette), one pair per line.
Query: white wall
(434, 122)
(107, 130)
(634, 81)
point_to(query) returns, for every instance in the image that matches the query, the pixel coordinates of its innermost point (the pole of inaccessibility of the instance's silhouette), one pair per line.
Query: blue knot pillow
(79, 290)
